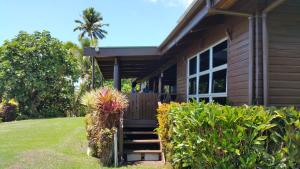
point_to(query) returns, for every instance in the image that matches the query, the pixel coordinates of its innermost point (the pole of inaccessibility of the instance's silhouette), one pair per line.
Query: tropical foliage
(39, 73)
(8, 110)
(104, 108)
(91, 25)
(125, 84)
(198, 135)
(84, 66)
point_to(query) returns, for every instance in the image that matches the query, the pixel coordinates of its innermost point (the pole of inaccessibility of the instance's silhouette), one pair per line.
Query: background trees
(47, 77)
(84, 65)
(37, 71)
(92, 26)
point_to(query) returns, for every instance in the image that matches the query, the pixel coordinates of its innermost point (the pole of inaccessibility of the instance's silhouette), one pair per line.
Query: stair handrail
(120, 137)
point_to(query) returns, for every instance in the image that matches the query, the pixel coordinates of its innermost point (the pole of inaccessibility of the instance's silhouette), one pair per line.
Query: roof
(136, 62)
(183, 21)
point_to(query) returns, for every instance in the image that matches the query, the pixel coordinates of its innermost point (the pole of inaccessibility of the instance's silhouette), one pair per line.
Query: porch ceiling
(134, 62)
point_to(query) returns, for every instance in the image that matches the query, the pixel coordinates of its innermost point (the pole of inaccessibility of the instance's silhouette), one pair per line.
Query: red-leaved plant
(111, 104)
(105, 106)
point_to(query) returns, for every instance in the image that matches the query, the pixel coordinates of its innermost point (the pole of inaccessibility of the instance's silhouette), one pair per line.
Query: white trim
(197, 79)
(187, 80)
(209, 72)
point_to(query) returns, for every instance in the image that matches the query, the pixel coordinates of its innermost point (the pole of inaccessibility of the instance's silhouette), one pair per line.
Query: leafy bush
(22, 117)
(39, 73)
(214, 136)
(164, 128)
(105, 107)
(8, 111)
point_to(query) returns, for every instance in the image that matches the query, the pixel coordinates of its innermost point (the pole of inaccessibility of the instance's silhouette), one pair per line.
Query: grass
(46, 144)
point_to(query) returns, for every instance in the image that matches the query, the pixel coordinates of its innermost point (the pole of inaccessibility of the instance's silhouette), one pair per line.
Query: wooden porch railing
(142, 106)
(141, 112)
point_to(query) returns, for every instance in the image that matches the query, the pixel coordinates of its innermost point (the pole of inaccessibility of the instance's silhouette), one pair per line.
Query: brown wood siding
(284, 54)
(237, 58)
(238, 63)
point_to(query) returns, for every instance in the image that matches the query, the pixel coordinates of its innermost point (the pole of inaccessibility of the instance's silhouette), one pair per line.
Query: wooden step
(144, 151)
(141, 141)
(139, 132)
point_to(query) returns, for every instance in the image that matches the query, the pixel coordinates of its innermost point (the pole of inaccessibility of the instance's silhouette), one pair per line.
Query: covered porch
(153, 81)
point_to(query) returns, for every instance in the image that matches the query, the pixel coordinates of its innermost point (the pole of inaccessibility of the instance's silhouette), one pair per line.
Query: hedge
(199, 135)
(8, 111)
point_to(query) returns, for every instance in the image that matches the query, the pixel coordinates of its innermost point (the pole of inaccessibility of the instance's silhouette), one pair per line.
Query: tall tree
(92, 26)
(37, 71)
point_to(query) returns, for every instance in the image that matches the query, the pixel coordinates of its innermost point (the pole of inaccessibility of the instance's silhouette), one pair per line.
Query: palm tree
(91, 26)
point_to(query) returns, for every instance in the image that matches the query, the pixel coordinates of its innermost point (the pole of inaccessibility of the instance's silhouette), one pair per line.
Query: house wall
(284, 54)
(238, 53)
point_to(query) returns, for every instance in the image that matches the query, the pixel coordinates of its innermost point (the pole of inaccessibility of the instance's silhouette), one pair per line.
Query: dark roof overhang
(134, 62)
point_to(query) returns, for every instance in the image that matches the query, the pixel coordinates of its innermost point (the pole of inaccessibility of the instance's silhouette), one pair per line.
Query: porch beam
(160, 83)
(116, 76)
(162, 68)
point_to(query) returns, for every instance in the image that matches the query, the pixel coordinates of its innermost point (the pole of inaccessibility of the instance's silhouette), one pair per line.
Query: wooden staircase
(142, 144)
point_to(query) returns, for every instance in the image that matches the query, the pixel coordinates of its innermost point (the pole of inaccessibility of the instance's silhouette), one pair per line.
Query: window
(207, 74)
(204, 84)
(192, 86)
(193, 66)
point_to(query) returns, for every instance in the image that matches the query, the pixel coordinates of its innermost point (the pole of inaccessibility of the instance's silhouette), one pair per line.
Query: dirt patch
(43, 159)
(150, 164)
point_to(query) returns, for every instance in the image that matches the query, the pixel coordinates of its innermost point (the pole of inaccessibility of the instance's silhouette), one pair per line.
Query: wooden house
(229, 51)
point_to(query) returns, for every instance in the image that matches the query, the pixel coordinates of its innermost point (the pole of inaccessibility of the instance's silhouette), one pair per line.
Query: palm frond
(91, 25)
(78, 21)
(81, 35)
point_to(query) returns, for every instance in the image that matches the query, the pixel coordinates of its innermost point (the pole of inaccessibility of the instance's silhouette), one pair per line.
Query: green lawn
(44, 144)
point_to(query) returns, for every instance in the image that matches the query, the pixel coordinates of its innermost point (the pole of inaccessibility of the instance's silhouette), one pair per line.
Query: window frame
(209, 71)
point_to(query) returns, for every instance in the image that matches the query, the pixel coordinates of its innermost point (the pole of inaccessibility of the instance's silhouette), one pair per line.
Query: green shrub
(164, 129)
(104, 109)
(8, 111)
(22, 117)
(214, 136)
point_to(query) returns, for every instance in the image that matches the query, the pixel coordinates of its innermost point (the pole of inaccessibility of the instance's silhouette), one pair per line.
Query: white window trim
(210, 71)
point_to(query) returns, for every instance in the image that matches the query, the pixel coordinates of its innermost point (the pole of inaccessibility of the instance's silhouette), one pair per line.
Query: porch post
(160, 83)
(117, 81)
(93, 72)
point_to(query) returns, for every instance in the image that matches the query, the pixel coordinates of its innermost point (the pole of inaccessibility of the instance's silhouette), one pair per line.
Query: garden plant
(104, 107)
(199, 135)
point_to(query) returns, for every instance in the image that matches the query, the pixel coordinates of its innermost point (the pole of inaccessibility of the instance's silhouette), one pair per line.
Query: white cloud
(184, 3)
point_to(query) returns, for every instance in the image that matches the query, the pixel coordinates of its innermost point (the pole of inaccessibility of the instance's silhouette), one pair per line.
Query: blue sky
(131, 22)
